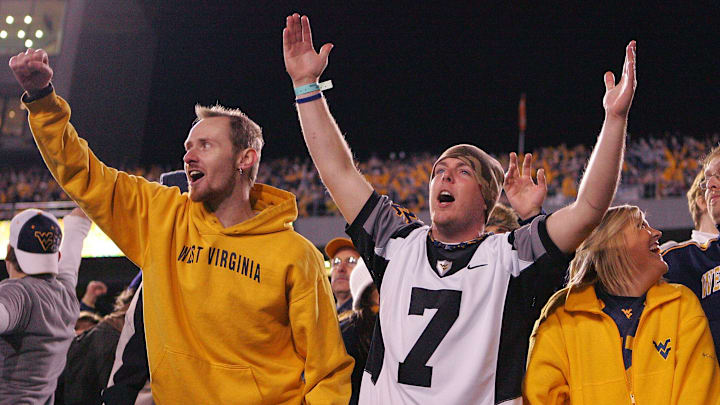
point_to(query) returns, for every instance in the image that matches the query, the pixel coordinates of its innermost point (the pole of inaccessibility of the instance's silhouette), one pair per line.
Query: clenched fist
(94, 290)
(32, 70)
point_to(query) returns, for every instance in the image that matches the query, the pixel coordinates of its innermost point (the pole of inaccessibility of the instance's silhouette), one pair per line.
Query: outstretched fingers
(512, 166)
(288, 38)
(297, 29)
(628, 72)
(527, 165)
(306, 32)
(325, 51)
(609, 81)
(541, 182)
(630, 58)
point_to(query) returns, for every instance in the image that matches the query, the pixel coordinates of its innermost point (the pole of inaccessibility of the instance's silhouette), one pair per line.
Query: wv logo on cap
(47, 240)
(663, 348)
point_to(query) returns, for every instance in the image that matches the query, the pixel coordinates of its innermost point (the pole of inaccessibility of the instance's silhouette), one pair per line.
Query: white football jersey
(439, 332)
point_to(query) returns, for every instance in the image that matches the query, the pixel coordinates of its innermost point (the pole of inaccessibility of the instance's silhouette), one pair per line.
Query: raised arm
(328, 149)
(119, 203)
(94, 290)
(77, 226)
(569, 226)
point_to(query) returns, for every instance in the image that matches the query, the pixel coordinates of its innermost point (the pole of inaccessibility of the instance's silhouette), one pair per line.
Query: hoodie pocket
(181, 378)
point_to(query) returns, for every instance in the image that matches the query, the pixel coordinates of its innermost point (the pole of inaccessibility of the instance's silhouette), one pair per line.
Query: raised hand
(78, 212)
(93, 291)
(525, 197)
(302, 63)
(618, 98)
(31, 69)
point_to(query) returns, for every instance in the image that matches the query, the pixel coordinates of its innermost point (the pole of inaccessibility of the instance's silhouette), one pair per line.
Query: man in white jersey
(446, 287)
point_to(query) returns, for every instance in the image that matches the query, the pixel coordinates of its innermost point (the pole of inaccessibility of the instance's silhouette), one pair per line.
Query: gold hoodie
(237, 315)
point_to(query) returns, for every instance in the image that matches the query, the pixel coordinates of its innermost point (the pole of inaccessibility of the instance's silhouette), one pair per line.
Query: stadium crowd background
(655, 167)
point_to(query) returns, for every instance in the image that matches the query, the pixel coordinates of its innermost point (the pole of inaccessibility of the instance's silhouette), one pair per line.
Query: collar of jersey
(455, 246)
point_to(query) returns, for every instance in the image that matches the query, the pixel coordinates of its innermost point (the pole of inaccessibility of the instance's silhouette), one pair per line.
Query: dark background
(422, 77)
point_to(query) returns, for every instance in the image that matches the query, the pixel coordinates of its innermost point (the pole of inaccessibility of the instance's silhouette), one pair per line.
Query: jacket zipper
(632, 354)
(628, 377)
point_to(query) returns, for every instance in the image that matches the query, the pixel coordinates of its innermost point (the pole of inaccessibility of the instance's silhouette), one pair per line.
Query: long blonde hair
(603, 256)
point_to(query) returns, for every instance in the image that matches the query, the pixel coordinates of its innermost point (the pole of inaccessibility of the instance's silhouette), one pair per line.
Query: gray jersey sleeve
(379, 222)
(532, 242)
(17, 305)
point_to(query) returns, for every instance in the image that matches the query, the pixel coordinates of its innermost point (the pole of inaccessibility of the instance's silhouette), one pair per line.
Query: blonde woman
(619, 334)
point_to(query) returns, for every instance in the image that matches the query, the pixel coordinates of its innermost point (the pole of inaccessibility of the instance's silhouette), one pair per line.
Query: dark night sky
(420, 78)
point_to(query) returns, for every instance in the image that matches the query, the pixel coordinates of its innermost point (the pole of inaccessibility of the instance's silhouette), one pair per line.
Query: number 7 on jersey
(414, 371)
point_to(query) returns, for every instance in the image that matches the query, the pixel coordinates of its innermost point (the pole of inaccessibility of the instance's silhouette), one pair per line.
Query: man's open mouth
(195, 175)
(445, 197)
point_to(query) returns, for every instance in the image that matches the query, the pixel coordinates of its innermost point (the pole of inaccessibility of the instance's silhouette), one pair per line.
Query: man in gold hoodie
(237, 307)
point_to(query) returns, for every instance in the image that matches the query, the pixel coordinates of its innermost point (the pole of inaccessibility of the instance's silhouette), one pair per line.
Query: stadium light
(39, 34)
(21, 34)
(9, 19)
(27, 19)
(3, 34)
(28, 43)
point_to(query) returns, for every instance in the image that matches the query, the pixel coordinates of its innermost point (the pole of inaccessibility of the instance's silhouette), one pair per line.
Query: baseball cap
(336, 244)
(35, 235)
(360, 280)
(488, 171)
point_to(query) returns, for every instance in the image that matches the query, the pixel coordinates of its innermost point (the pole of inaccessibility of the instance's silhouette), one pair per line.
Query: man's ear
(8, 265)
(246, 159)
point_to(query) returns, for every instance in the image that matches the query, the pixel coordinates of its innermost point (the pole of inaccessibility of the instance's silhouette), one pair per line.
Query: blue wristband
(309, 99)
(309, 88)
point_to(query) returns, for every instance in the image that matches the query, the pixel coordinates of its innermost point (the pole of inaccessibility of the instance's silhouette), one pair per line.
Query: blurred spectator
(502, 219)
(343, 258)
(36, 184)
(85, 321)
(38, 306)
(95, 289)
(91, 356)
(129, 381)
(697, 205)
(357, 325)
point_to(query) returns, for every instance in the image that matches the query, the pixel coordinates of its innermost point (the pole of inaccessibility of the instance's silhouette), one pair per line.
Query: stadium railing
(57, 208)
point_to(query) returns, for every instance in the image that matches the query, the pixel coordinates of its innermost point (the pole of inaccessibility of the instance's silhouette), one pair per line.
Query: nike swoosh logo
(475, 267)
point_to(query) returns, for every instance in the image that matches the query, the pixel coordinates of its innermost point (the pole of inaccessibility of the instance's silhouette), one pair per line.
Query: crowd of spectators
(36, 184)
(654, 168)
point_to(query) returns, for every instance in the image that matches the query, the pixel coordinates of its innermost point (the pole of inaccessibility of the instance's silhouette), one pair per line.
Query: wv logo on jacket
(663, 348)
